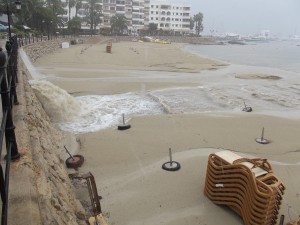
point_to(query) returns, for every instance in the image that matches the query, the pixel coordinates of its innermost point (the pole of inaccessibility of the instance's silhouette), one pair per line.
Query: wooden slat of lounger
(230, 157)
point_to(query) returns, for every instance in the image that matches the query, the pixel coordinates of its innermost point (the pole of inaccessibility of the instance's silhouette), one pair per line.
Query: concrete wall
(40, 190)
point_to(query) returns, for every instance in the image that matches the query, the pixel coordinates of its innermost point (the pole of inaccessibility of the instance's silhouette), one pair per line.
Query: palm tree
(93, 13)
(119, 23)
(152, 28)
(78, 5)
(198, 18)
(71, 4)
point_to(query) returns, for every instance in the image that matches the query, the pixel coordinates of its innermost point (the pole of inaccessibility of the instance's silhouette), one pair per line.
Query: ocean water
(213, 92)
(283, 55)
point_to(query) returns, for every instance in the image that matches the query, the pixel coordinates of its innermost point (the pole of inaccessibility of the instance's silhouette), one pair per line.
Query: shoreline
(127, 164)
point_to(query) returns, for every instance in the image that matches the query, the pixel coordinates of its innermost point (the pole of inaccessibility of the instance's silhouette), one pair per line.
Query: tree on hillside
(119, 23)
(152, 28)
(198, 18)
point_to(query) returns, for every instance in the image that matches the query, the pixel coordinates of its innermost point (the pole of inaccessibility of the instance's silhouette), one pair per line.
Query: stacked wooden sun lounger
(248, 186)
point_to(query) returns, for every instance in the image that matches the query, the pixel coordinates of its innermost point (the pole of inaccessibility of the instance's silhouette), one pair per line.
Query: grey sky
(248, 17)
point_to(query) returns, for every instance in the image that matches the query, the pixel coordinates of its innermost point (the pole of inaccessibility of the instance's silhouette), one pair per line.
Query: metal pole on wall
(8, 20)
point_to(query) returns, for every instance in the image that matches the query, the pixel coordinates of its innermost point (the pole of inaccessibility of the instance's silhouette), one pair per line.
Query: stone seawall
(40, 189)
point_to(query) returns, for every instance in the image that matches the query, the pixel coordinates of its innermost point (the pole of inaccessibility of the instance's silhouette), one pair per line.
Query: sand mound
(257, 76)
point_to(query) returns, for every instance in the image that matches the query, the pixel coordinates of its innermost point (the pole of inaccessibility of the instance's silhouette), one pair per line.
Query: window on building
(120, 8)
(113, 1)
(152, 6)
(151, 18)
(112, 8)
(106, 7)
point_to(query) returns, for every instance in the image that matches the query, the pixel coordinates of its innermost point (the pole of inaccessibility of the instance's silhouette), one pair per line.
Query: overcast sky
(248, 17)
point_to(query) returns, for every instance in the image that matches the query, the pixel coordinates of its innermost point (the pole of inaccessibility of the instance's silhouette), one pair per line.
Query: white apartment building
(138, 17)
(170, 16)
(140, 13)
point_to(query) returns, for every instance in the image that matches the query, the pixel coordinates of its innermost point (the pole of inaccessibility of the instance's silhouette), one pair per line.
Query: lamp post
(18, 7)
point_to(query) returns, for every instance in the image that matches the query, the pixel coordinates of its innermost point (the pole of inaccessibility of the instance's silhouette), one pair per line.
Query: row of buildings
(170, 16)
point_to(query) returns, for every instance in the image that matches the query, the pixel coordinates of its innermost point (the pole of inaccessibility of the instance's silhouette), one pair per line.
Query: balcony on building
(120, 3)
(120, 9)
(186, 8)
(167, 7)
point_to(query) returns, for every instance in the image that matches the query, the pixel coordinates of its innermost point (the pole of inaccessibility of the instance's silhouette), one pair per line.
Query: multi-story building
(137, 15)
(170, 16)
(140, 13)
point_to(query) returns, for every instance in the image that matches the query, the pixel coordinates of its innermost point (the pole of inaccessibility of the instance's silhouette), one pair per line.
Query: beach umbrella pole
(262, 134)
(68, 152)
(170, 154)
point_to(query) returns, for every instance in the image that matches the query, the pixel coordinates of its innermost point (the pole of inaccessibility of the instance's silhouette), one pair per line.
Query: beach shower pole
(123, 118)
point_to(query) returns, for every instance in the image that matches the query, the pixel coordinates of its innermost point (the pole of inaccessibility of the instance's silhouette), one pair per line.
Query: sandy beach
(127, 164)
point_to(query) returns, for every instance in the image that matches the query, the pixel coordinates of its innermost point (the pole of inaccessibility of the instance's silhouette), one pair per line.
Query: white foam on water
(103, 111)
(34, 74)
(59, 105)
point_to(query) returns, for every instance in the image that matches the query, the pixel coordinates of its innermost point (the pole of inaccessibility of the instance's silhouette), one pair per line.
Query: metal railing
(8, 80)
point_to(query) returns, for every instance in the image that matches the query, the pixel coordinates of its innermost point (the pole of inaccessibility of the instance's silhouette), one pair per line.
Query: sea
(216, 91)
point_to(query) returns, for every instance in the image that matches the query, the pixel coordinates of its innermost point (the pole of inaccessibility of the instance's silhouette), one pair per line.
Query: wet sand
(127, 164)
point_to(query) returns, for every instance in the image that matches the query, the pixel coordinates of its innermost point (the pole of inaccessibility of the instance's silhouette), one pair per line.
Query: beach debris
(249, 186)
(94, 197)
(97, 220)
(262, 140)
(124, 126)
(247, 108)
(74, 161)
(171, 165)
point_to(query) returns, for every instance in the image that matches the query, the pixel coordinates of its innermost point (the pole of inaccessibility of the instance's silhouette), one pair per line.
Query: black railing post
(10, 136)
(14, 71)
(8, 74)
